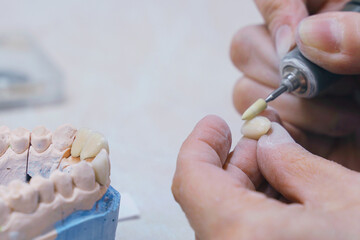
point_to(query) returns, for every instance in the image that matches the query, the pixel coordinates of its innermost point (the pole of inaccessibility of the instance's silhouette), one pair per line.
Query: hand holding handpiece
(302, 77)
(230, 195)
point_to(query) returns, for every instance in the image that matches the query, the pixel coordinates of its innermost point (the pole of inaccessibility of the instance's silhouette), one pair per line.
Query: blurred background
(141, 72)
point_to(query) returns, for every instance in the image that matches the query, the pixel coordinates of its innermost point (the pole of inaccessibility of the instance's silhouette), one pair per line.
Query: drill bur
(256, 108)
(261, 104)
(277, 92)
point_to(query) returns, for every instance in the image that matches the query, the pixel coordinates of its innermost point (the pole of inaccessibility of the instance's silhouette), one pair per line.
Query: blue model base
(98, 223)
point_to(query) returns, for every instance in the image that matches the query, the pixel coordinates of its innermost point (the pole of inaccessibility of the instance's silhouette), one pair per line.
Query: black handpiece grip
(314, 78)
(352, 6)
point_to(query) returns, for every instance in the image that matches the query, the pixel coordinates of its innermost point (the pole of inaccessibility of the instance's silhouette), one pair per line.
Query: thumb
(299, 175)
(332, 40)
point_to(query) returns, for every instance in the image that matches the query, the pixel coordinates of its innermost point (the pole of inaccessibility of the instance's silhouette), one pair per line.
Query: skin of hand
(223, 197)
(276, 188)
(328, 125)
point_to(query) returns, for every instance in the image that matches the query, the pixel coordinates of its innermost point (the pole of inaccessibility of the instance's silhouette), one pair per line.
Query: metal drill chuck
(302, 77)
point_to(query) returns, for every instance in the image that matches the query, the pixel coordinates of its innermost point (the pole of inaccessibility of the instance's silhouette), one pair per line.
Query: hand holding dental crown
(300, 179)
(70, 171)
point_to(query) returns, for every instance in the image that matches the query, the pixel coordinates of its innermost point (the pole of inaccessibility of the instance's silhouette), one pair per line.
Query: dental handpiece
(301, 76)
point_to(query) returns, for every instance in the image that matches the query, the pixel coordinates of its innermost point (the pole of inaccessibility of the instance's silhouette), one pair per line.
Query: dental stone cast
(45, 188)
(4, 139)
(83, 181)
(20, 140)
(256, 127)
(52, 193)
(41, 139)
(22, 197)
(63, 137)
(12, 166)
(4, 211)
(48, 149)
(63, 183)
(256, 108)
(30, 226)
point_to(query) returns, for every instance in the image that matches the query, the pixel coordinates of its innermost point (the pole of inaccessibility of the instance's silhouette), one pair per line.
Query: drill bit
(277, 92)
(261, 104)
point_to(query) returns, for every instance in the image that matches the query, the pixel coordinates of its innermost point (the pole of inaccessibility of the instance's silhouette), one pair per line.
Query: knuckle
(279, 12)
(241, 45)
(175, 188)
(241, 98)
(270, 9)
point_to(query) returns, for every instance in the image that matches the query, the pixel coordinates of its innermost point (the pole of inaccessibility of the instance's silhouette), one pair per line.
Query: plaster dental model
(69, 194)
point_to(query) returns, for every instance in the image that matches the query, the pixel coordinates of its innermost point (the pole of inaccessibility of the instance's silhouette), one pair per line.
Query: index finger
(282, 18)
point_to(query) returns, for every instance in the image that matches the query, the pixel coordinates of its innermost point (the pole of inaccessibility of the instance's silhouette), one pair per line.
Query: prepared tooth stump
(69, 194)
(256, 127)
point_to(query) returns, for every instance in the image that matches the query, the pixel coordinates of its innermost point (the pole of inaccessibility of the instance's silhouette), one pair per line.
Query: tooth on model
(83, 176)
(101, 166)
(20, 140)
(4, 139)
(81, 137)
(22, 197)
(62, 182)
(4, 211)
(63, 137)
(45, 187)
(93, 145)
(41, 139)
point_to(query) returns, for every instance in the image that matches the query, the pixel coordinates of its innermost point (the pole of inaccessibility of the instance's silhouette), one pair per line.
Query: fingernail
(283, 40)
(323, 34)
(278, 135)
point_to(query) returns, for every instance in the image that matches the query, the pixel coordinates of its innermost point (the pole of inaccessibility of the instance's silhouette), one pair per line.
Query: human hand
(328, 125)
(216, 189)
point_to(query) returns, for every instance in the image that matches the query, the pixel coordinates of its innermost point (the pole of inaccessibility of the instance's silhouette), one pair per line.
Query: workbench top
(143, 73)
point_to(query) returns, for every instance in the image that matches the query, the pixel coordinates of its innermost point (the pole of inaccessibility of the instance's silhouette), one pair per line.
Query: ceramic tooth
(81, 137)
(93, 145)
(101, 166)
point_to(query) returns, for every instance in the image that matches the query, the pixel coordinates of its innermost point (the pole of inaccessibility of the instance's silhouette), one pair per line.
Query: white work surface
(143, 73)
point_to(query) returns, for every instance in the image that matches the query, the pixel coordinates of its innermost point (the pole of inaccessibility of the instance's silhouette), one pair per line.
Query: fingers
(299, 175)
(282, 18)
(323, 115)
(319, 6)
(243, 160)
(197, 179)
(331, 40)
(252, 52)
(202, 187)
